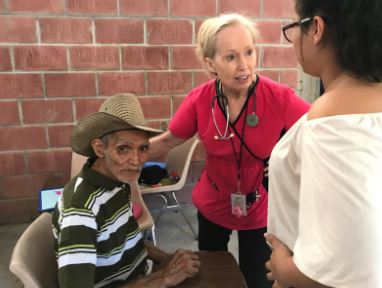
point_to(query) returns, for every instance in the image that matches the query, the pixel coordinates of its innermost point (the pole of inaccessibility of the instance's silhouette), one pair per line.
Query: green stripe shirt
(98, 242)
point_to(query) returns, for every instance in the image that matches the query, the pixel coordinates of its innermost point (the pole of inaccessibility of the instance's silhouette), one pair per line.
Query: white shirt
(325, 198)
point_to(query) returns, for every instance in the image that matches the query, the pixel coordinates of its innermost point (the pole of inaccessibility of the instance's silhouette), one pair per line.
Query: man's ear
(319, 27)
(98, 148)
(210, 65)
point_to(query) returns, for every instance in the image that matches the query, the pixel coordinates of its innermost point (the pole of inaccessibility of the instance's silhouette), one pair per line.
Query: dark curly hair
(354, 29)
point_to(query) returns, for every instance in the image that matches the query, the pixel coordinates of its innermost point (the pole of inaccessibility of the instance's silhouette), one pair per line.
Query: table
(219, 269)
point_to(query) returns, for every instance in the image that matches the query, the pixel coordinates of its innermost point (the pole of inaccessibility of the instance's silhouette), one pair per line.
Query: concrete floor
(8, 236)
(172, 232)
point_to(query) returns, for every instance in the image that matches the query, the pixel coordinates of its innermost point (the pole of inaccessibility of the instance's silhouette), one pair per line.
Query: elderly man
(98, 242)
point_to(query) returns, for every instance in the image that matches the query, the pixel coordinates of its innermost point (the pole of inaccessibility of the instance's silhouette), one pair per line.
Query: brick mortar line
(74, 112)
(132, 71)
(63, 149)
(12, 58)
(43, 83)
(6, 5)
(38, 31)
(20, 110)
(39, 15)
(146, 82)
(54, 98)
(26, 162)
(123, 45)
(36, 125)
(145, 35)
(19, 198)
(120, 59)
(93, 32)
(118, 8)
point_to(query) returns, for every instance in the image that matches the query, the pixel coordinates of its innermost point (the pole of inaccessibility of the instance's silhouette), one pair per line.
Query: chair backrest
(77, 162)
(178, 159)
(145, 221)
(33, 260)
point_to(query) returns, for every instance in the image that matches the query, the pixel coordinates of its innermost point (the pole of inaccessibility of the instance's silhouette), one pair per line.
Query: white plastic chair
(177, 159)
(33, 260)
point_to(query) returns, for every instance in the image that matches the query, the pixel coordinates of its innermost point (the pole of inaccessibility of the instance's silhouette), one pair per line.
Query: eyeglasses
(286, 29)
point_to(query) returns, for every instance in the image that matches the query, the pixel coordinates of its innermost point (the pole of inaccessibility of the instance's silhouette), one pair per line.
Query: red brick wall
(59, 59)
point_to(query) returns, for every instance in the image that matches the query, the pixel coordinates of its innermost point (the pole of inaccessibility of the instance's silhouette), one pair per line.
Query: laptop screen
(48, 198)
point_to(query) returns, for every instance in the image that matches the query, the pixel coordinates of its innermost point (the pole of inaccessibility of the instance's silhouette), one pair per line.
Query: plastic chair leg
(153, 236)
(150, 235)
(164, 207)
(184, 215)
(171, 202)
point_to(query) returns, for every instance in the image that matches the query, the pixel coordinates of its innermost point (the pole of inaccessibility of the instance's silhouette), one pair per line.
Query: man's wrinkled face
(122, 154)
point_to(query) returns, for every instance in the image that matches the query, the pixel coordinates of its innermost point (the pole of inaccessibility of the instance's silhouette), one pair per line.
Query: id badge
(238, 205)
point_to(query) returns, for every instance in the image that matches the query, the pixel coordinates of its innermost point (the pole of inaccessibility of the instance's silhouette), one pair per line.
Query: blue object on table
(162, 165)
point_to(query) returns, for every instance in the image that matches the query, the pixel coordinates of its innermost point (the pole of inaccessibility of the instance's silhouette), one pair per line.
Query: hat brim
(98, 124)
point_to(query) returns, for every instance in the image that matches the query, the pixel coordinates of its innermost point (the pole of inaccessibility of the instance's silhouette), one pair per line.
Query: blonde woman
(239, 117)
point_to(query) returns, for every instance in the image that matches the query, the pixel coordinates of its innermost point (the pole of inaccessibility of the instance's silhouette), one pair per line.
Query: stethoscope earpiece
(231, 135)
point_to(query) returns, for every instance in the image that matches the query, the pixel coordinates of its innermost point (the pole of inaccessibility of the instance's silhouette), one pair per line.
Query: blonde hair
(206, 40)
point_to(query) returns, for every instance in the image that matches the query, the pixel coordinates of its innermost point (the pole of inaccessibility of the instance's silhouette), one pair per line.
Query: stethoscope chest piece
(252, 120)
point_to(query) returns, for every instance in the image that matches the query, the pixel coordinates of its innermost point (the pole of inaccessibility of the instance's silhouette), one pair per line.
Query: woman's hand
(282, 268)
(277, 285)
(280, 254)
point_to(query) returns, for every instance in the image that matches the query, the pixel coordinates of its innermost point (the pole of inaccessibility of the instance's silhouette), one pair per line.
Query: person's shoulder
(320, 108)
(203, 88)
(200, 93)
(269, 83)
(336, 102)
(275, 90)
(277, 94)
(77, 193)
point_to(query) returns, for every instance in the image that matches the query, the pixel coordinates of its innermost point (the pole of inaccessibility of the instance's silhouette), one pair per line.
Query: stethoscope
(251, 119)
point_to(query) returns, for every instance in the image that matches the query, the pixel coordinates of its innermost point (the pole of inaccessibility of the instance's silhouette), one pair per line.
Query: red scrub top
(277, 107)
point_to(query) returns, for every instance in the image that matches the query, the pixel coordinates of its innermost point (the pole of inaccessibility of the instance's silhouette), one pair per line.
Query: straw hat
(119, 112)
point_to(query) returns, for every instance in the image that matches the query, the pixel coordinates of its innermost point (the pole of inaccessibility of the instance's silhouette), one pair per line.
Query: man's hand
(184, 264)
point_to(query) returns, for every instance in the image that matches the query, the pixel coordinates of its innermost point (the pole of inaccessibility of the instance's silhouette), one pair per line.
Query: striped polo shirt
(97, 239)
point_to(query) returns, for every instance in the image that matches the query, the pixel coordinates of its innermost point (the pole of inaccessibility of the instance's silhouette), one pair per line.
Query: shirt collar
(97, 179)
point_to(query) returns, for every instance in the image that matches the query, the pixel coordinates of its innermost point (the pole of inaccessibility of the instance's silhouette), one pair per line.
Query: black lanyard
(241, 138)
(239, 157)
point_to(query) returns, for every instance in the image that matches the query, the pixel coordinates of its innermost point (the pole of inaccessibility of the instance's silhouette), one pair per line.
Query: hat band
(124, 129)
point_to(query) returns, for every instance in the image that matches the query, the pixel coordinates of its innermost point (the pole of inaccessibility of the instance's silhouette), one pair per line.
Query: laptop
(49, 194)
